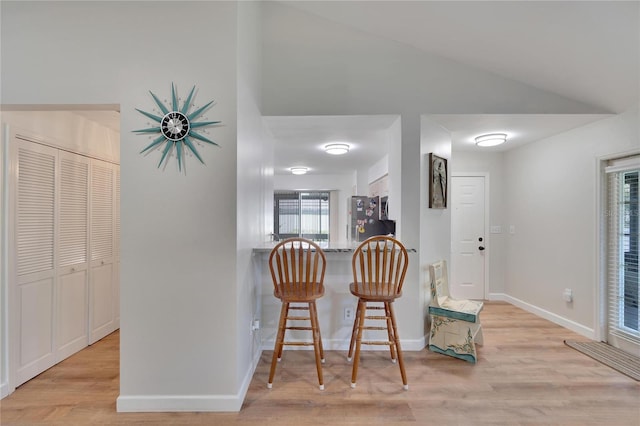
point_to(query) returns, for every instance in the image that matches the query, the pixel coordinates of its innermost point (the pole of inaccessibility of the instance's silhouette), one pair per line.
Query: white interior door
(101, 291)
(468, 242)
(73, 259)
(33, 251)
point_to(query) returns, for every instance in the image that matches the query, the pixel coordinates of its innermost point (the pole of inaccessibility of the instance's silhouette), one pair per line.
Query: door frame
(487, 238)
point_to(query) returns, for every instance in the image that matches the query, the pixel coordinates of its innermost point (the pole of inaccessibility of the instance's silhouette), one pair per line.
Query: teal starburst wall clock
(176, 128)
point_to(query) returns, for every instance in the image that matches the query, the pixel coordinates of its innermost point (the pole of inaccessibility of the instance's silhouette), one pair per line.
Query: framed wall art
(437, 182)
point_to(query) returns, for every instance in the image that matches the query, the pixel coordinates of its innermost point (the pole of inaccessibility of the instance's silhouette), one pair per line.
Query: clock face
(175, 126)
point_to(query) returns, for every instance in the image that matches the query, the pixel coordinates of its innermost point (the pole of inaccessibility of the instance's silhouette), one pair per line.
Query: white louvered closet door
(34, 284)
(116, 247)
(101, 288)
(73, 256)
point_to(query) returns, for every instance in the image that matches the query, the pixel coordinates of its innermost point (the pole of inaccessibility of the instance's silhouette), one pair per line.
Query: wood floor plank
(525, 375)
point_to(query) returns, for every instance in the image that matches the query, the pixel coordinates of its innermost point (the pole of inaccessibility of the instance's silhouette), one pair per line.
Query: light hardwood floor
(525, 375)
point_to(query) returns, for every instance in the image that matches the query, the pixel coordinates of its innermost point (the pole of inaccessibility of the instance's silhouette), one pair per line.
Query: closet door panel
(36, 352)
(73, 256)
(72, 334)
(36, 209)
(116, 246)
(101, 250)
(101, 301)
(34, 271)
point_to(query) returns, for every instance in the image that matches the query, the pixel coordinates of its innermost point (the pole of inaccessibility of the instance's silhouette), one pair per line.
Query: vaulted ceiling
(586, 51)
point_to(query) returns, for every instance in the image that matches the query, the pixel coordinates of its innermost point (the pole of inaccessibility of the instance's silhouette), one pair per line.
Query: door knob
(481, 248)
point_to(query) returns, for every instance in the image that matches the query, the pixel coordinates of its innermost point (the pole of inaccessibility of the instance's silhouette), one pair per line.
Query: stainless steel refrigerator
(365, 220)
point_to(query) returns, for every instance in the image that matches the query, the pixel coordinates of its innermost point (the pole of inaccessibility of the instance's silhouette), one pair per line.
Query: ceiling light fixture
(299, 170)
(336, 148)
(491, 139)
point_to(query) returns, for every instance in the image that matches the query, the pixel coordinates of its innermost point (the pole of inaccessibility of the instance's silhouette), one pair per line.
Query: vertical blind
(623, 233)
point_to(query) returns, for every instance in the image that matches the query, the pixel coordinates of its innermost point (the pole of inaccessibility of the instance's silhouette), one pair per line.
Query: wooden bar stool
(379, 266)
(297, 269)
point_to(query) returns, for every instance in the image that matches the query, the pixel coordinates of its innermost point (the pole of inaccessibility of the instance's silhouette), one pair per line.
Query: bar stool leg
(277, 348)
(284, 329)
(362, 307)
(354, 333)
(390, 333)
(317, 343)
(398, 348)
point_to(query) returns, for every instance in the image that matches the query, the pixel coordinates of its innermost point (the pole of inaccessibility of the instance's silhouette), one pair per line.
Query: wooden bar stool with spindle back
(379, 267)
(297, 269)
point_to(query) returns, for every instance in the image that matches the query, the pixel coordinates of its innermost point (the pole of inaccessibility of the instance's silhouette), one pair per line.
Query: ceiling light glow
(336, 148)
(299, 170)
(491, 139)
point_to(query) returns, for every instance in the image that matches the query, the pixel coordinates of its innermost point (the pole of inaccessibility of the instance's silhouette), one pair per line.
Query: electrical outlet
(348, 314)
(255, 325)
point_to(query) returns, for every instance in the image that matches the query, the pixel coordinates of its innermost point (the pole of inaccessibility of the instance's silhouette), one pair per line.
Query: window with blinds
(623, 233)
(301, 214)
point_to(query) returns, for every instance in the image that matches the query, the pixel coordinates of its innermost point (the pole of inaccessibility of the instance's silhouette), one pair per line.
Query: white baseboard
(554, 318)
(178, 403)
(4, 390)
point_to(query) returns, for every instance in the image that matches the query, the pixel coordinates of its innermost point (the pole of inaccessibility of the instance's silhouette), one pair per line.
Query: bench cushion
(465, 310)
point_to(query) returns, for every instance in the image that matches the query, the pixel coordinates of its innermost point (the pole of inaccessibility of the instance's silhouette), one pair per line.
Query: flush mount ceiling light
(299, 170)
(491, 139)
(336, 148)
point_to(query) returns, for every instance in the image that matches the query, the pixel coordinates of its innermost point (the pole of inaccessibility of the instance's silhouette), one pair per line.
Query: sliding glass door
(623, 234)
(302, 214)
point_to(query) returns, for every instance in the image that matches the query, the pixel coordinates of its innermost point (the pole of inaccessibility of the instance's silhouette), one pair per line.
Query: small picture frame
(437, 182)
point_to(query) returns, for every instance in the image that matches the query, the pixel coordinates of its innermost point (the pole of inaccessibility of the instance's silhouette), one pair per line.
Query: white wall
(551, 194)
(493, 164)
(4, 273)
(435, 224)
(179, 348)
(254, 161)
(394, 135)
